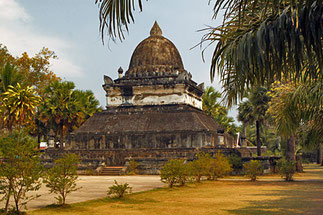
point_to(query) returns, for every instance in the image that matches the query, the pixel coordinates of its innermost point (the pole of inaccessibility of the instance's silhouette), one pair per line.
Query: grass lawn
(219, 197)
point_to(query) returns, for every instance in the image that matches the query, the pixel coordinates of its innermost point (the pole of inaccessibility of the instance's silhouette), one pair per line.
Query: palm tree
(59, 107)
(286, 115)
(254, 111)
(210, 102)
(18, 106)
(8, 76)
(298, 106)
(245, 115)
(263, 41)
(259, 100)
(65, 109)
(219, 113)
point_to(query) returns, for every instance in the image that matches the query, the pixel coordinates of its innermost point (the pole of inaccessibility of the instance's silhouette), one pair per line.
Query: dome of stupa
(155, 56)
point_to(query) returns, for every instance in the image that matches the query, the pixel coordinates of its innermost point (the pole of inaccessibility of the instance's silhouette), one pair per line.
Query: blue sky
(71, 29)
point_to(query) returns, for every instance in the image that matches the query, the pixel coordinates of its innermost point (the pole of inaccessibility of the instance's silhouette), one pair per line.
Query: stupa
(153, 111)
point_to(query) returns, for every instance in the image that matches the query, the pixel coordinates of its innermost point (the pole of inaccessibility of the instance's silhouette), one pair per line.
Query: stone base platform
(150, 160)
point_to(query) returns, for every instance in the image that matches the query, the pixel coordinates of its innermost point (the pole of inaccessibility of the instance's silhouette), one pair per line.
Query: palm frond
(115, 16)
(262, 41)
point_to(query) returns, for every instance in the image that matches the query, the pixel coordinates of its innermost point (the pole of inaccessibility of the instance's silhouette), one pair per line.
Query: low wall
(151, 160)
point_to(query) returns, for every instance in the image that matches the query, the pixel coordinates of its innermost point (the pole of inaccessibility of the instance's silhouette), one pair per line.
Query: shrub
(219, 166)
(253, 169)
(20, 171)
(201, 166)
(286, 169)
(118, 190)
(173, 172)
(90, 172)
(235, 161)
(61, 179)
(132, 167)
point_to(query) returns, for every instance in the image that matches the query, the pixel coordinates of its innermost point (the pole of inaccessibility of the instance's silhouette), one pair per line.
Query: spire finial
(155, 30)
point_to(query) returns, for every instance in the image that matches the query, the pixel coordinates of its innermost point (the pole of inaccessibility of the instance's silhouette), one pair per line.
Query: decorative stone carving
(107, 80)
(201, 85)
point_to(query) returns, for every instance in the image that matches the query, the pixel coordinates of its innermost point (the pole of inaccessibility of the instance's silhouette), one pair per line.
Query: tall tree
(259, 100)
(254, 111)
(245, 115)
(59, 107)
(65, 109)
(298, 107)
(29, 71)
(218, 112)
(18, 106)
(263, 41)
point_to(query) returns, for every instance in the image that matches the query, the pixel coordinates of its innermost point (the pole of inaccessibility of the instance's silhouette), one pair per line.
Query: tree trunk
(64, 199)
(8, 200)
(258, 139)
(299, 166)
(61, 138)
(38, 140)
(17, 205)
(290, 153)
(244, 135)
(319, 155)
(290, 149)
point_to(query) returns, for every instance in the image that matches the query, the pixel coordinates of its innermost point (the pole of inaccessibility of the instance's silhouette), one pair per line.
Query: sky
(70, 28)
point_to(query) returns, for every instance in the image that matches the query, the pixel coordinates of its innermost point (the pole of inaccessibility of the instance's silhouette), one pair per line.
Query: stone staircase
(111, 170)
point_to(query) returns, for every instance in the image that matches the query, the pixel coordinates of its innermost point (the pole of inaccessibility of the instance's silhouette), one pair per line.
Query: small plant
(219, 166)
(286, 169)
(90, 172)
(132, 167)
(200, 167)
(118, 190)
(253, 169)
(61, 179)
(173, 172)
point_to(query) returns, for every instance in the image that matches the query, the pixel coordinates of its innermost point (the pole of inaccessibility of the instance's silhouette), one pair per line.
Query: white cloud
(19, 35)
(11, 10)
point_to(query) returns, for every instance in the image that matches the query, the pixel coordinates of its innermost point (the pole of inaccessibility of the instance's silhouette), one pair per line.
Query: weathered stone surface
(156, 76)
(136, 95)
(154, 114)
(158, 51)
(173, 126)
(151, 160)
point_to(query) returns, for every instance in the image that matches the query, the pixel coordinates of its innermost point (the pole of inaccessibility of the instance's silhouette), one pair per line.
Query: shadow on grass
(314, 169)
(66, 206)
(301, 198)
(132, 200)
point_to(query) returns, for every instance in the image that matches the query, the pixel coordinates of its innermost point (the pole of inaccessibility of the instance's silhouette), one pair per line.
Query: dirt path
(94, 187)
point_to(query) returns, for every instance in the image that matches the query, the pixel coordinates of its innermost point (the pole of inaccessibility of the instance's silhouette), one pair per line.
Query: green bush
(61, 179)
(286, 169)
(252, 169)
(201, 166)
(132, 167)
(235, 161)
(219, 166)
(118, 190)
(174, 172)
